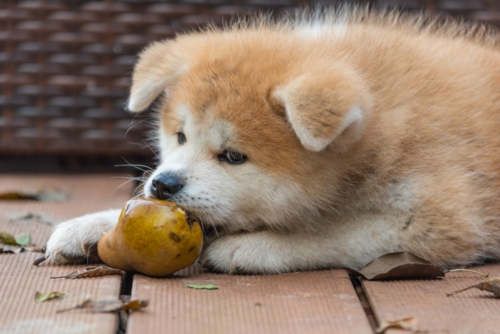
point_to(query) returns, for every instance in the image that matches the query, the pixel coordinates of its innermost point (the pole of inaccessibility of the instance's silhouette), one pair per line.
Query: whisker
(144, 144)
(136, 166)
(124, 183)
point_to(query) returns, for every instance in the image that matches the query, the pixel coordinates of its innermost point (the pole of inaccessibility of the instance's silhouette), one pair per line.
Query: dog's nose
(164, 186)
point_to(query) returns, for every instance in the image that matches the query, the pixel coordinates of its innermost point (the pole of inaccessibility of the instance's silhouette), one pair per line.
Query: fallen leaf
(9, 239)
(399, 266)
(14, 195)
(11, 249)
(24, 240)
(31, 217)
(42, 297)
(206, 287)
(492, 285)
(409, 324)
(103, 306)
(91, 272)
(34, 249)
(39, 195)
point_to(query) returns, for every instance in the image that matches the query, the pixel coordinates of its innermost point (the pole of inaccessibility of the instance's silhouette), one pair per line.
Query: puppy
(323, 141)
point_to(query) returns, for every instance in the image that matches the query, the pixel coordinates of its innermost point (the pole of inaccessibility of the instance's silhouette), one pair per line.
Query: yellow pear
(152, 237)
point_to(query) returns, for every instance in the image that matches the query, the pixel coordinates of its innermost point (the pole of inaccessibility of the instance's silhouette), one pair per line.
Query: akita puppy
(323, 141)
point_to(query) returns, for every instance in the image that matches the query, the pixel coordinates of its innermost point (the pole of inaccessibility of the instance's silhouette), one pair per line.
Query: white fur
(74, 236)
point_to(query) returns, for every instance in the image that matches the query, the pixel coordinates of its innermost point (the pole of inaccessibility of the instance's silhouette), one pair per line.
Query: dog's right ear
(158, 67)
(324, 107)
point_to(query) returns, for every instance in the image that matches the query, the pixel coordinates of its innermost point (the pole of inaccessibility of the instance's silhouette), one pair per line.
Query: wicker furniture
(65, 65)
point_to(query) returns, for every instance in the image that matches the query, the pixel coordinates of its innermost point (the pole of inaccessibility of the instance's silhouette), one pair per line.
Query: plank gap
(365, 303)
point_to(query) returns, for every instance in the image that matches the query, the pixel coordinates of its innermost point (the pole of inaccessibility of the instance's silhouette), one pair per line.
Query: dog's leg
(267, 252)
(72, 241)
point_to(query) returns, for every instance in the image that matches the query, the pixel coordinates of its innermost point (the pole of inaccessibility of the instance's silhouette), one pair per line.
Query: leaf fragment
(31, 217)
(399, 266)
(11, 249)
(34, 249)
(92, 271)
(24, 240)
(13, 195)
(43, 297)
(409, 324)
(104, 306)
(492, 285)
(9, 239)
(38, 195)
(205, 287)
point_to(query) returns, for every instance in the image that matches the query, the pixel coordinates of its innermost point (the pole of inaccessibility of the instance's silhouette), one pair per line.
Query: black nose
(164, 186)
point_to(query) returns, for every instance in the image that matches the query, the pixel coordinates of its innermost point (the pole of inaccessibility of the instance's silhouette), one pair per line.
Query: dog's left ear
(325, 108)
(159, 66)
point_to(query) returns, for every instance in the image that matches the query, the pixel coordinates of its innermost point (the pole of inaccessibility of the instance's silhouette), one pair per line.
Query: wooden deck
(308, 302)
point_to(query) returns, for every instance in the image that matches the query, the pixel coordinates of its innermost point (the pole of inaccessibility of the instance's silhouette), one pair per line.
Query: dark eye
(181, 138)
(232, 156)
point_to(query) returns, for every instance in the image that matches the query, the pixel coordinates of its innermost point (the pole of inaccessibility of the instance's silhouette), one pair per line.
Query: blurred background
(65, 71)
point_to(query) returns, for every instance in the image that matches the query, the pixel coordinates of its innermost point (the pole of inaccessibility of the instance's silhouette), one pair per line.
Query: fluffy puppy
(323, 141)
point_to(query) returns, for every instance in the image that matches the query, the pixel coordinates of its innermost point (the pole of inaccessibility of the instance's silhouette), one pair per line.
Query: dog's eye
(181, 138)
(232, 156)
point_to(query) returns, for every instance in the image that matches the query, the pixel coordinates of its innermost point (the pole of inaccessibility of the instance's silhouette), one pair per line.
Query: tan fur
(417, 171)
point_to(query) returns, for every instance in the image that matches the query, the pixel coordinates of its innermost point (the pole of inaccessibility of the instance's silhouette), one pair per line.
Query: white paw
(76, 240)
(245, 253)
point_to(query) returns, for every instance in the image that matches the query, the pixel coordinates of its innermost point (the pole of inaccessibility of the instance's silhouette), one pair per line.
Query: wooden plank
(86, 194)
(473, 311)
(311, 302)
(19, 279)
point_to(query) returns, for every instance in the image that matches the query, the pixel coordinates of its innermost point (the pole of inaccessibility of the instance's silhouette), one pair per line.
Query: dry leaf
(103, 306)
(92, 272)
(492, 285)
(11, 249)
(31, 217)
(9, 239)
(15, 195)
(42, 297)
(34, 249)
(20, 249)
(40, 195)
(399, 266)
(409, 324)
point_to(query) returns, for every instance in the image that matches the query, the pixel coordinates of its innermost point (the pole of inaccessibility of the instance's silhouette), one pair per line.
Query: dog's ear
(158, 67)
(325, 108)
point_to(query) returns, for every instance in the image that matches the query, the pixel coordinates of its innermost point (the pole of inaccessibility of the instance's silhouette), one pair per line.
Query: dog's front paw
(76, 240)
(245, 253)
(72, 242)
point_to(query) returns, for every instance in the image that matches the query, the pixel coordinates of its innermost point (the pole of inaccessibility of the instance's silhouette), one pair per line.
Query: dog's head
(251, 128)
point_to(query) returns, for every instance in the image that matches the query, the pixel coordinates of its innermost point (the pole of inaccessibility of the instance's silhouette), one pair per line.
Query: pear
(152, 237)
